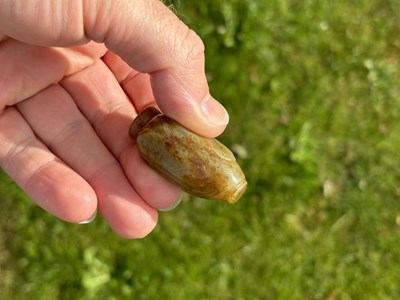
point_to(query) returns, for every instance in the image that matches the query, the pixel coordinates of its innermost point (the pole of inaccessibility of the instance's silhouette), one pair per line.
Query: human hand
(65, 112)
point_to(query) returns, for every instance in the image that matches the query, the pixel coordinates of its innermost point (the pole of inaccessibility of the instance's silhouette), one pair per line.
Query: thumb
(146, 34)
(151, 39)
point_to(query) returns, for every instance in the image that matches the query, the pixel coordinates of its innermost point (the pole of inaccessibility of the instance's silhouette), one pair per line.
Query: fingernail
(174, 205)
(214, 112)
(90, 219)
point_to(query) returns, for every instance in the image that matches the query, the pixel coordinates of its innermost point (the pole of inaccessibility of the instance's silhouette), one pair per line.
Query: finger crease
(37, 172)
(68, 131)
(101, 170)
(17, 149)
(129, 77)
(103, 114)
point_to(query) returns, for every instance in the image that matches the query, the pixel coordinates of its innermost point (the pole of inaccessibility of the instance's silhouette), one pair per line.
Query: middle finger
(56, 120)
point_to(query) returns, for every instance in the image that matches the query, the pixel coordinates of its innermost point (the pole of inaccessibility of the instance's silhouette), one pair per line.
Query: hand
(65, 112)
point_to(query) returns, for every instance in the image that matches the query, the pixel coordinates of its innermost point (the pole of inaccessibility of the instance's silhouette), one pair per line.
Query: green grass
(313, 91)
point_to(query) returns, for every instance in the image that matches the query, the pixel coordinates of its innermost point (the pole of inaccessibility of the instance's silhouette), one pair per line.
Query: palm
(64, 134)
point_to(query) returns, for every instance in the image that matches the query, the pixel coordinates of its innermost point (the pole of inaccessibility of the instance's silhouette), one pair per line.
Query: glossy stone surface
(200, 166)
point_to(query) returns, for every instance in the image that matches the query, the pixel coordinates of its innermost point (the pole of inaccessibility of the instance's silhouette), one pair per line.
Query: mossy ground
(313, 91)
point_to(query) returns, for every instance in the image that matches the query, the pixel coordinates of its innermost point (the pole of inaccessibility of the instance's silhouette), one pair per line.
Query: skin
(73, 76)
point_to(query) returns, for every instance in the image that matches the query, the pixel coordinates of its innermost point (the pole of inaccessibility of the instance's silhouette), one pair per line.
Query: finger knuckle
(192, 47)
